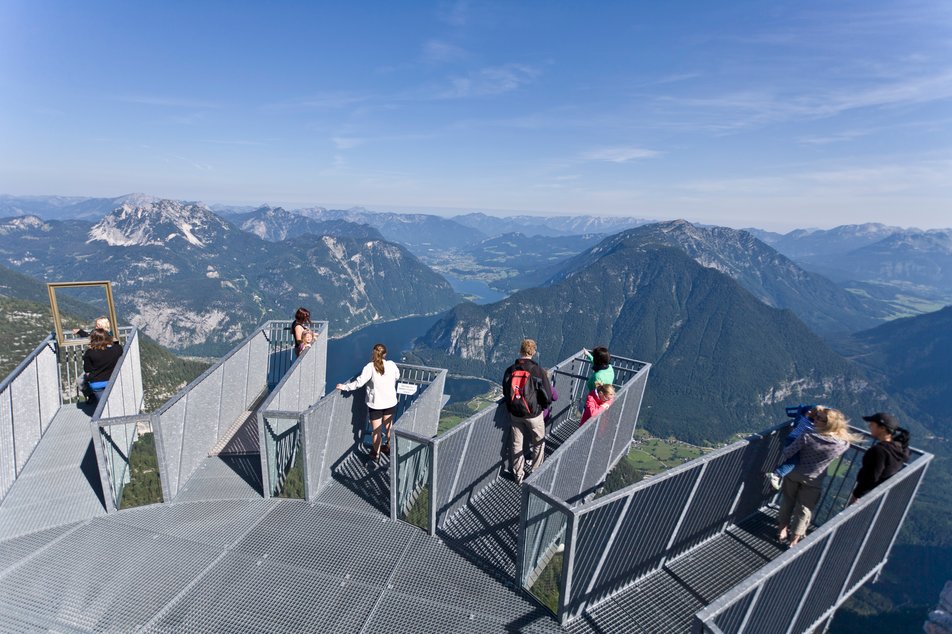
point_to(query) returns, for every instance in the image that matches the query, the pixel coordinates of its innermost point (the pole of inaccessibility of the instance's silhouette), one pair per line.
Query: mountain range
(714, 346)
(910, 268)
(197, 283)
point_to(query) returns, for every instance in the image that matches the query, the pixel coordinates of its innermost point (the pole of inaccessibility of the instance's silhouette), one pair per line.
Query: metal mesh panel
(170, 424)
(285, 599)
(644, 532)
(573, 456)
(761, 455)
(201, 423)
(429, 565)
(48, 374)
(234, 397)
(121, 397)
(774, 608)
(845, 545)
(302, 382)
(217, 523)
(730, 620)
(150, 569)
(420, 412)
(838, 487)
(8, 469)
(18, 549)
(329, 540)
(899, 496)
(711, 504)
(596, 531)
(315, 430)
(469, 458)
(27, 427)
(449, 461)
(60, 483)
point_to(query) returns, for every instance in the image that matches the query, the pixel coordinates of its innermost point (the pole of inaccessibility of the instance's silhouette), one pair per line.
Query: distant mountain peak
(157, 222)
(22, 223)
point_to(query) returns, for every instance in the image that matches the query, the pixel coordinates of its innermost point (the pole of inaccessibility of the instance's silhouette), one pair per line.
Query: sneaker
(560, 549)
(774, 480)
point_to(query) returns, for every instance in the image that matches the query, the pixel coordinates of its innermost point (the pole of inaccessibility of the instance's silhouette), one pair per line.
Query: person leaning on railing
(801, 489)
(382, 376)
(99, 361)
(883, 459)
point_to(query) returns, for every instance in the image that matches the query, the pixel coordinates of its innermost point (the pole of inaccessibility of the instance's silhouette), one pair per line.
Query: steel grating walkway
(667, 600)
(250, 565)
(224, 559)
(60, 482)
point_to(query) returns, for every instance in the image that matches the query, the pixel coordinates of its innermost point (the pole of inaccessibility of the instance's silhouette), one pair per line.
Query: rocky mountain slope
(910, 268)
(196, 282)
(276, 224)
(723, 361)
(771, 277)
(547, 225)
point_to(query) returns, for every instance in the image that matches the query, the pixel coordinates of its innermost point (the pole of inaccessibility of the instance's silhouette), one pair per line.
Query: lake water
(479, 291)
(348, 355)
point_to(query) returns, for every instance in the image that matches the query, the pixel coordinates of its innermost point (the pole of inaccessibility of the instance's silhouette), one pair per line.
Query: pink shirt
(594, 405)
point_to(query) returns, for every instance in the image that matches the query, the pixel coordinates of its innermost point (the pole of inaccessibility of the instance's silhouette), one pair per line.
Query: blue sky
(770, 114)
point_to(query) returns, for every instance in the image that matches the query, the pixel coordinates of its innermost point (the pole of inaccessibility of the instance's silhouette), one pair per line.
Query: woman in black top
(100, 359)
(886, 457)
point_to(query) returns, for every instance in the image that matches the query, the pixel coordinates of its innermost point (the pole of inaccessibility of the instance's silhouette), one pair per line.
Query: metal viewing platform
(269, 517)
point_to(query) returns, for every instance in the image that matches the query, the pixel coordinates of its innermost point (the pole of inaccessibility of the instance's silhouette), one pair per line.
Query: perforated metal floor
(251, 566)
(60, 482)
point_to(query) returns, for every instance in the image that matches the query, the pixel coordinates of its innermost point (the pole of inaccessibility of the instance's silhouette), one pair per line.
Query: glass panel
(285, 466)
(413, 481)
(132, 464)
(544, 545)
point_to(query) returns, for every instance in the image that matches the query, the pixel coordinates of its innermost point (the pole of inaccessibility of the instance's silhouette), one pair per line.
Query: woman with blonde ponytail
(801, 489)
(382, 376)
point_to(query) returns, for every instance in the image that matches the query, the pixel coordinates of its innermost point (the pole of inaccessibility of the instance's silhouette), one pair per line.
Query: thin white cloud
(322, 101)
(441, 52)
(840, 137)
(346, 143)
(744, 109)
(618, 154)
(492, 80)
(455, 13)
(167, 102)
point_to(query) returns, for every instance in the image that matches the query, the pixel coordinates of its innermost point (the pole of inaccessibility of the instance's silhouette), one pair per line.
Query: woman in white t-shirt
(381, 395)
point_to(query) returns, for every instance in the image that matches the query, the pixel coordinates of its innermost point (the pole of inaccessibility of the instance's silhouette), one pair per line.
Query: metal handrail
(704, 619)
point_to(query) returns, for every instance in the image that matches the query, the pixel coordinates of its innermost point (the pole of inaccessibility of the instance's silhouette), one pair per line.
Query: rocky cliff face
(197, 283)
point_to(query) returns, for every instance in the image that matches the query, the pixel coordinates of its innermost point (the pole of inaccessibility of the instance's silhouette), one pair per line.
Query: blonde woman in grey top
(802, 488)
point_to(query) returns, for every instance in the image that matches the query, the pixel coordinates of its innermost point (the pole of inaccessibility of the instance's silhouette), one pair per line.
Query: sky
(776, 114)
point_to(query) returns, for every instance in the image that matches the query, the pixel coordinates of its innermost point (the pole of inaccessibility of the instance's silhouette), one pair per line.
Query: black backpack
(522, 397)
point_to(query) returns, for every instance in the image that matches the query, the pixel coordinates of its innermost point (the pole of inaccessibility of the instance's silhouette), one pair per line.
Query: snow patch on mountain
(156, 222)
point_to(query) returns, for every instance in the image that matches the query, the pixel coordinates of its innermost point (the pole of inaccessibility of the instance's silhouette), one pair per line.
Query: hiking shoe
(774, 480)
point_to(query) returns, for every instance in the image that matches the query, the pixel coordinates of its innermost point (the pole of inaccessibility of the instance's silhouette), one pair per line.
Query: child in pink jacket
(598, 399)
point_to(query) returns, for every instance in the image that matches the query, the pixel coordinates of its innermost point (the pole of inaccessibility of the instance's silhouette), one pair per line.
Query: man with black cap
(885, 457)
